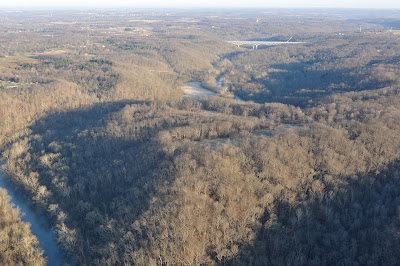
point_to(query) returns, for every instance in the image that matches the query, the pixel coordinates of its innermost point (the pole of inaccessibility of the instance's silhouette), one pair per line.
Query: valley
(146, 137)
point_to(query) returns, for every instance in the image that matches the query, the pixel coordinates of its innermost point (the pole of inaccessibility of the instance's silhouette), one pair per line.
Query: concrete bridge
(255, 44)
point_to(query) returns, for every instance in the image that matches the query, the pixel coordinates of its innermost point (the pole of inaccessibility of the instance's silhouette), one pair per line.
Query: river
(220, 83)
(39, 224)
(195, 90)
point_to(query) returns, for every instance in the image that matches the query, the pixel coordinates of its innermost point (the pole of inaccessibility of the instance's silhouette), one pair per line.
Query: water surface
(195, 90)
(40, 225)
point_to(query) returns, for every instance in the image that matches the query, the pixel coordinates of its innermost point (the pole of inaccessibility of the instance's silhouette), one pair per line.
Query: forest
(302, 169)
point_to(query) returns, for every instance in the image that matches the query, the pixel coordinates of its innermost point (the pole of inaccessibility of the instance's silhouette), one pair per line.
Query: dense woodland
(304, 171)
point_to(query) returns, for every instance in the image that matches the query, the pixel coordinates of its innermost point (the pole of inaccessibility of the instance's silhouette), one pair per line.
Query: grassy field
(11, 62)
(16, 58)
(53, 52)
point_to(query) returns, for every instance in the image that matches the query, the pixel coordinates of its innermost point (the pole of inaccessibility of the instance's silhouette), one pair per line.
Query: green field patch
(16, 58)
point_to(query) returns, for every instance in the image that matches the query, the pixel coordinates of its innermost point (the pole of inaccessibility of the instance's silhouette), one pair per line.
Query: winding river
(39, 224)
(221, 83)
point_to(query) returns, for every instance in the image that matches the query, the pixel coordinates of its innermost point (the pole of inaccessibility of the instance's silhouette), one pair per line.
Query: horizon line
(188, 7)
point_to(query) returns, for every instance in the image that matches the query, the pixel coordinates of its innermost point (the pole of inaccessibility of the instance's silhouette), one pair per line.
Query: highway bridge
(255, 44)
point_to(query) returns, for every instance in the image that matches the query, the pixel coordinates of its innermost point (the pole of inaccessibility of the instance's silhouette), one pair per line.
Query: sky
(200, 3)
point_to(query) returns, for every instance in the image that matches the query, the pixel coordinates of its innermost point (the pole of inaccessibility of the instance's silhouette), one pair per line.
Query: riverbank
(40, 226)
(194, 90)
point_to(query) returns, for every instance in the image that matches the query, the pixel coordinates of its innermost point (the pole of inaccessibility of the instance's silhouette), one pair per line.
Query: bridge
(255, 44)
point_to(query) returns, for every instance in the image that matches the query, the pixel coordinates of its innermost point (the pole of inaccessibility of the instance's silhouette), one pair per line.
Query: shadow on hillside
(78, 118)
(94, 174)
(354, 224)
(85, 152)
(298, 85)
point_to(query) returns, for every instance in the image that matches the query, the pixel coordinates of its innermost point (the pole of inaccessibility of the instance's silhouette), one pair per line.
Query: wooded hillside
(305, 171)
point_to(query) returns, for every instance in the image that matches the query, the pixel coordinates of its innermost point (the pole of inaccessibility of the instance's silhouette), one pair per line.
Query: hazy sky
(202, 3)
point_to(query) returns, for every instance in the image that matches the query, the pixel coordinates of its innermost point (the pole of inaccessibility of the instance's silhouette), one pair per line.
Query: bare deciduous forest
(303, 169)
